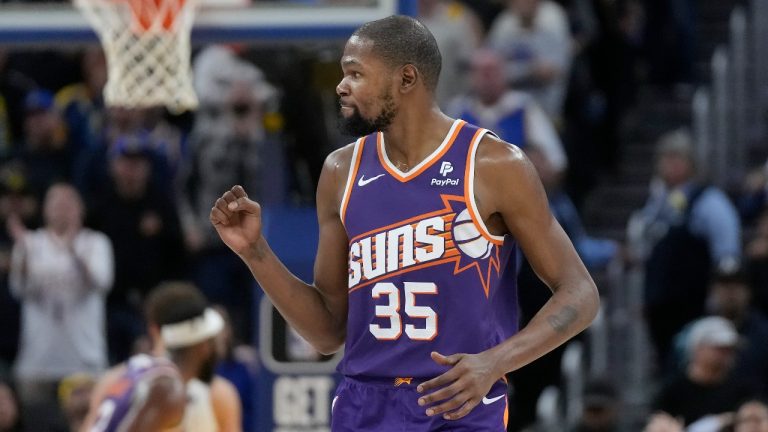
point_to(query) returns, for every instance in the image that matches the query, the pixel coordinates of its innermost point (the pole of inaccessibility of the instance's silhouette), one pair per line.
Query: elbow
(591, 302)
(327, 349)
(330, 345)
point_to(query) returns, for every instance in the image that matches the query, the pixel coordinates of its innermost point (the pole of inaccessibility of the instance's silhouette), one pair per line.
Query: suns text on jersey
(393, 250)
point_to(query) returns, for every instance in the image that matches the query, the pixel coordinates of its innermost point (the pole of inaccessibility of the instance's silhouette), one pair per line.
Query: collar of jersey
(423, 165)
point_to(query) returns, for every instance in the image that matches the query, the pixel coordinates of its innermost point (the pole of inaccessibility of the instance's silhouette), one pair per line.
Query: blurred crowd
(101, 204)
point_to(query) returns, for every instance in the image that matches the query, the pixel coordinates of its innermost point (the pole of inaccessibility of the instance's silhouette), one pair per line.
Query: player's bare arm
(100, 393)
(226, 405)
(512, 201)
(317, 311)
(161, 409)
(164, 405)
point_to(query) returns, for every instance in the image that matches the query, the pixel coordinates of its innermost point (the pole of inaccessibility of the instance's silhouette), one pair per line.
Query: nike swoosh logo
(487, 401)
(364, 181)
(333, 404)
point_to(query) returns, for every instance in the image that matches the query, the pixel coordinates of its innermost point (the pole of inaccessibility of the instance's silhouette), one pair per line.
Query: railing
(549, 410)
(573, 375)
(702, 127)
(758, 86)
(728, 116)
(720, 103)
(560, 409)
(598, 345)
(738, 74)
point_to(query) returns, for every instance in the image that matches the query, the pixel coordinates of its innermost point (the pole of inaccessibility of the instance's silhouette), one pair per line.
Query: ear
(409, 77)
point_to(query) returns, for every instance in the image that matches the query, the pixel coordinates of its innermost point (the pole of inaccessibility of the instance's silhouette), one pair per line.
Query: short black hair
(173, 302)
(401, 40)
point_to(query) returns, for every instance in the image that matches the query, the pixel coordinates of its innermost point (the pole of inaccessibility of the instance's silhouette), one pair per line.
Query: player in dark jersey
(146, 394)
(420, 220)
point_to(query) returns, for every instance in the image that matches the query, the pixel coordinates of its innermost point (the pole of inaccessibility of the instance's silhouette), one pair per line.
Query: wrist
(496, 361)
(256, 251)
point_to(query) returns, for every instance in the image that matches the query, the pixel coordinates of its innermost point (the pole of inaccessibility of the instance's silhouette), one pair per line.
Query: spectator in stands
(61, 274)
(670, 44)
(596, 253)
(164, 140)
(602, 407)
(82, 103)
(686, 230)
(514, 115)
(663, 422)
(141, 220)
(18, 208)
(601, 88)
(757, 261)
(752, 416)
(5, 120)
(708, 386)
(14, 85)
(534, 38)
(458, 32)
(231, 143)
(74, 399)
(10, 415)
(754, 196)
(730, 296)
(45, 152)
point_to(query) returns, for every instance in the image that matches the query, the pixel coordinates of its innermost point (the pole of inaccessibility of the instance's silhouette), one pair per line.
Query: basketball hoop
(147, 46)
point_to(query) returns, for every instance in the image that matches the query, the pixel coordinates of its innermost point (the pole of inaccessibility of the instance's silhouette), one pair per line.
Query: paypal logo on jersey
(444, 182)
(445, 169)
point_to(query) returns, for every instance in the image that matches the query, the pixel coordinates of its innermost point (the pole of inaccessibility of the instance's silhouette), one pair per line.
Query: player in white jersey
(182, 328)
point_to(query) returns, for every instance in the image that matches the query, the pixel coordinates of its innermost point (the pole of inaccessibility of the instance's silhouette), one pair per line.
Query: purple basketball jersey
(424, 272)
(123, 398)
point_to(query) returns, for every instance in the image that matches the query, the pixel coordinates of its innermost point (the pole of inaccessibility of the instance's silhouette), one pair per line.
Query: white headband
(186, 333)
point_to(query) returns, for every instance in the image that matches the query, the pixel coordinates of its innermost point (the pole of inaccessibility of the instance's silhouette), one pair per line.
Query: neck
(415, 133)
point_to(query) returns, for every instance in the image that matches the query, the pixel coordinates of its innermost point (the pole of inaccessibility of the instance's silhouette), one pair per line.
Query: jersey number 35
(391, 310)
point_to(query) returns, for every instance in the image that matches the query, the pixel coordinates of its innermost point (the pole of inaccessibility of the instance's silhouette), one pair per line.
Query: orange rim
(146, 13)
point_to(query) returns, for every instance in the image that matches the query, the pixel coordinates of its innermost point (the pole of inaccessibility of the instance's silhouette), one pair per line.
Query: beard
(207, 370)
(357, 125)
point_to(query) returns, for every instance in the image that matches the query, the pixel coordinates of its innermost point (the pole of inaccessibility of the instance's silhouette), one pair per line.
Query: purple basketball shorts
(392, 406)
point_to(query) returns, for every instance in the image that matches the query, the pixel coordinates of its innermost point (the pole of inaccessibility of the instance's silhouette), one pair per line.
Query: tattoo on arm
(563, 319)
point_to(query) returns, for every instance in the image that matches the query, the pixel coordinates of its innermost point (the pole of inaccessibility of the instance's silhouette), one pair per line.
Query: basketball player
(146, 394)
(419, 223)
(182, 327)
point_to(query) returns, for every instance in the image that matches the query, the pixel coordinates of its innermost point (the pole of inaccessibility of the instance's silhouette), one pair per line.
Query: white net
(147, 45)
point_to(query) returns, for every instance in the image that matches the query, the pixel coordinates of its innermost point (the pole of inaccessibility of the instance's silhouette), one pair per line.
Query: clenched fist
(237, 219)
